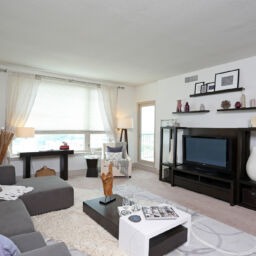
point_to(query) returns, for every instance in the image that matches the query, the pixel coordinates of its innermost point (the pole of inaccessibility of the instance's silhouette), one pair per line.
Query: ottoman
(50, 193)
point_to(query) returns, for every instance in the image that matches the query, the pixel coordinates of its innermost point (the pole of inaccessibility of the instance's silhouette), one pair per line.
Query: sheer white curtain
(108, 106)
(61, 105)
(20, 96)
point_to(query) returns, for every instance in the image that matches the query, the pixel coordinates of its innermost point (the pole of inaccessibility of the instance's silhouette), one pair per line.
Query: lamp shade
(24, 132)
(125, 123)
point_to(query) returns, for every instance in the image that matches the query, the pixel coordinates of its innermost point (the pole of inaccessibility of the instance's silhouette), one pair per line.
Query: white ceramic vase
(251, 165)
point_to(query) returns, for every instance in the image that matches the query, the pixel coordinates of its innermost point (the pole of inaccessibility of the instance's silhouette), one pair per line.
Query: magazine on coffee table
(159, 213)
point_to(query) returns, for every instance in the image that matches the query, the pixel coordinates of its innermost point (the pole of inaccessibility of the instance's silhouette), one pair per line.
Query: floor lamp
(124, 124)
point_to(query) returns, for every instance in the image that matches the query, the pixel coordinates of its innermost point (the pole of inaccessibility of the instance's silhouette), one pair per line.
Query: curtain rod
(55, 78)
(62, 79)
(67, 79)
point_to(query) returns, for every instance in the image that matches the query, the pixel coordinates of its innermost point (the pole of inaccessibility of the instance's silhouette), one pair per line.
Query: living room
(203, 59)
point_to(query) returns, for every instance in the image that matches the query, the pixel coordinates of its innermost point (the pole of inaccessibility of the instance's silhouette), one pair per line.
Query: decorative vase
(179, 105)
(202, 107)
(238, 104)
(243, 101)
(251, 165)
(186, 107)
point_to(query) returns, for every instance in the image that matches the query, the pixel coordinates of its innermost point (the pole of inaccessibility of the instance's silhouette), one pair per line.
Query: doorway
(146, 133)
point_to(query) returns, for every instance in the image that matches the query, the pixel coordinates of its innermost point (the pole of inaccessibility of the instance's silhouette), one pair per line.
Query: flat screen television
(208, 153)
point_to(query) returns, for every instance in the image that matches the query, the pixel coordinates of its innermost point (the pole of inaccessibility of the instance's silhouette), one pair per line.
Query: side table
(92, 165)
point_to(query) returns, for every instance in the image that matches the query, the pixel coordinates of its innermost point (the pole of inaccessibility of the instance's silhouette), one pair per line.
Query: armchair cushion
(115, 156)
(121, 166)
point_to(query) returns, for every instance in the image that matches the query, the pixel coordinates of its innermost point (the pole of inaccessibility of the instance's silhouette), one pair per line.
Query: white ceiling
(127, 41)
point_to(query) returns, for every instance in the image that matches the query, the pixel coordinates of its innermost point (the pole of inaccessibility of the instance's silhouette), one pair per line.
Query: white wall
(3, 80)
(126, 108)
(166, 93)
(77, 161)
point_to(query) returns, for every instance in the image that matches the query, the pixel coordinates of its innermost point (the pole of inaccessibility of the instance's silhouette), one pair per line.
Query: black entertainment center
(213, 162)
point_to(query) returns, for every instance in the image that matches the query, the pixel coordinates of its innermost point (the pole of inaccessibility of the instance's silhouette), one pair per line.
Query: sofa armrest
(59, 249)
(7, 175)
(15, 218)
(28, 241)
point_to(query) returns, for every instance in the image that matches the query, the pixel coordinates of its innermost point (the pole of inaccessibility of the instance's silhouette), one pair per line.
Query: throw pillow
(114, 149)
(114, 156)
(7, 247)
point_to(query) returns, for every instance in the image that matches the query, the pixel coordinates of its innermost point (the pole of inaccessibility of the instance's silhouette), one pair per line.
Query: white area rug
(77, 230)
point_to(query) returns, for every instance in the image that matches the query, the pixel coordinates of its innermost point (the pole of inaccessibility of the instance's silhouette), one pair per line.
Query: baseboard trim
(144, 167)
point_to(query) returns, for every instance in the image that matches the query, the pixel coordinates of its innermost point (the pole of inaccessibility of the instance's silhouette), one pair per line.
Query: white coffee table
(134, 237)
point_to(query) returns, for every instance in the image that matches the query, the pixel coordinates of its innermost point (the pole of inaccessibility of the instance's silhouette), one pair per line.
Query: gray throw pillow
(114, 149)
(7, 247)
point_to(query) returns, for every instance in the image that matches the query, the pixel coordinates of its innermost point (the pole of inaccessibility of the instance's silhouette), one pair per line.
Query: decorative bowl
(225, 104)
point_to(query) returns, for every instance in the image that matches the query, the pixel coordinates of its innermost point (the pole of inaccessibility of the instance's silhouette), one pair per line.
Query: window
(48, 142)
(62, 106)
(146, 112)
(64, 112)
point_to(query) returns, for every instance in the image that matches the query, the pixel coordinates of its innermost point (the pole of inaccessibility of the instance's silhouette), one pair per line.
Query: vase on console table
(251, 165)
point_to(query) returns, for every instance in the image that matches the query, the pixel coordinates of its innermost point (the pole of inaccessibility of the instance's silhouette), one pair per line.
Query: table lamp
(24, 132)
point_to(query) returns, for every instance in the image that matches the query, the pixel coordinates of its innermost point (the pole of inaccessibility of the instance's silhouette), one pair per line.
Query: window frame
(87, 134)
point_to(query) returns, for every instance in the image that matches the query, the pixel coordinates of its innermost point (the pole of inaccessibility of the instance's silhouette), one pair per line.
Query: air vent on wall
(190, 79)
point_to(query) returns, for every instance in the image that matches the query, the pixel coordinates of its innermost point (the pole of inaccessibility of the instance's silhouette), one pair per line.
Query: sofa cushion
(28, 241)
(50, 193)
(59, 249)
(7, 175)
(7, 247)
(14, 218)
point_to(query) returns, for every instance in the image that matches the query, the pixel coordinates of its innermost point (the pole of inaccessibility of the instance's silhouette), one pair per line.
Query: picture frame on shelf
(166, 122)
(210, 87)
(227, 80)
(203, 88)
(198, 87)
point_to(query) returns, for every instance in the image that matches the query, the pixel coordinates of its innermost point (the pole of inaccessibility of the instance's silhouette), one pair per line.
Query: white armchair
(122, 164)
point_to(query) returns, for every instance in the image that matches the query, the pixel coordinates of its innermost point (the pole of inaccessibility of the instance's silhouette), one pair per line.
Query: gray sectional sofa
(50, 193)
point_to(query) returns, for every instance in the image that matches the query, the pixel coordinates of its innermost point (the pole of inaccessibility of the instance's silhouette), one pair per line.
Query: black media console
(215, 185)
(234, 187)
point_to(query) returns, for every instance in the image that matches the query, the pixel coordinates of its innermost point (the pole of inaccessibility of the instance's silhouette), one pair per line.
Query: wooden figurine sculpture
(107, 181)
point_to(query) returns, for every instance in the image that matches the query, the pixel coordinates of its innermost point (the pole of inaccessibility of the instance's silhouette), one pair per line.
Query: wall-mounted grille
(190, 79)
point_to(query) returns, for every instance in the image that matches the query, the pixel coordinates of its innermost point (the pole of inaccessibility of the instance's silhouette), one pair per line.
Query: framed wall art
(227, 80)
(203, 88)
(198, 87)
(210, 87)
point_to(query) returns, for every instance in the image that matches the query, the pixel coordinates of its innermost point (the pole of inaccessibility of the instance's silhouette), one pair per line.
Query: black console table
(63, 154)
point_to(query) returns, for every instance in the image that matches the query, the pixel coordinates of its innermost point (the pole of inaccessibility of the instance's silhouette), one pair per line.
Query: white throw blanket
(13, 192)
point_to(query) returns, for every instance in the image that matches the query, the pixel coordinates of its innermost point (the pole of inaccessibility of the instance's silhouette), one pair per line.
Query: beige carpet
(79, 231)
(235, 216)
(76, 229)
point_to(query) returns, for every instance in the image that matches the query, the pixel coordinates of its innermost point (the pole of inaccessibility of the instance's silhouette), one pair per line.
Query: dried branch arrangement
(5, 140)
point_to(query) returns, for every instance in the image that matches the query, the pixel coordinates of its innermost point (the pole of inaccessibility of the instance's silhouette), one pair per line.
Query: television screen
(204, 151)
